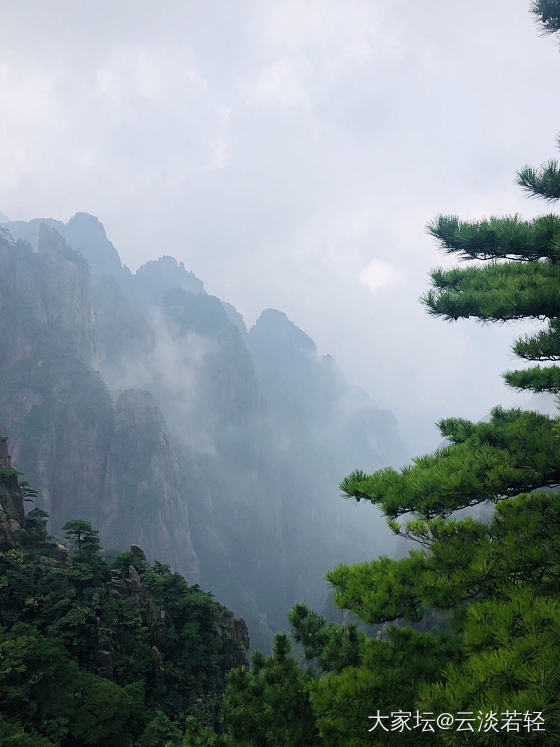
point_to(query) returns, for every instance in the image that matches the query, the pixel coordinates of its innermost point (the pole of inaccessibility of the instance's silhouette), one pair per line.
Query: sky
(291, 153)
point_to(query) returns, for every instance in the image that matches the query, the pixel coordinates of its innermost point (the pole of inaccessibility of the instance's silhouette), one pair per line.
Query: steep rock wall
(11, 500)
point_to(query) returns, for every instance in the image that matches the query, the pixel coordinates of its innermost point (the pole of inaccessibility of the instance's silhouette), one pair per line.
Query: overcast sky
(291, 153)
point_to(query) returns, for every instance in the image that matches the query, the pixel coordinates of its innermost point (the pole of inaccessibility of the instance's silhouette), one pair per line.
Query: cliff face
(53, 405)
(144, 499)
(67, 435)
(142, 404)
(11, 500)
(45, 299)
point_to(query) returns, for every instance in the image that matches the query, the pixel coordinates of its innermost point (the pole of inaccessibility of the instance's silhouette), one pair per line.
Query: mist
(291, 157)
(256, 485)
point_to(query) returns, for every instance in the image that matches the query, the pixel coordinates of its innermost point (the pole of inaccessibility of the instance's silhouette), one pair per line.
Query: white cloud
(284, 83)
(277, 146)
(219, 156)
(378, 274)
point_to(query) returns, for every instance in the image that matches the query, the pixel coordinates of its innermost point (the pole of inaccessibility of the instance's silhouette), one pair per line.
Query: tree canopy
(92, 654)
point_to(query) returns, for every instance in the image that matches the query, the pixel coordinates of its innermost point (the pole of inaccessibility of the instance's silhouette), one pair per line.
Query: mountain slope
(142, 404)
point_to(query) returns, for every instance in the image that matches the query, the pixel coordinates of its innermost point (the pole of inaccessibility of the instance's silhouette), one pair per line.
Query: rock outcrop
(11, 500)
(129, 586)
(237, 629)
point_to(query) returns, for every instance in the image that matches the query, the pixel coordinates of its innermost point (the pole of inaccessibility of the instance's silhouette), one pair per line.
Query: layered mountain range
(142, 404)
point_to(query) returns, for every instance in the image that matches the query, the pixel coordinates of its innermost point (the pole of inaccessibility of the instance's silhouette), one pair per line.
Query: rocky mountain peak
(50, 242)
(275, 329)
(158, 276)
(86, 233)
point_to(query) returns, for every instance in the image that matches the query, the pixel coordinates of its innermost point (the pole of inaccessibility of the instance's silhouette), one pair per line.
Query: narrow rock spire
(5, 458)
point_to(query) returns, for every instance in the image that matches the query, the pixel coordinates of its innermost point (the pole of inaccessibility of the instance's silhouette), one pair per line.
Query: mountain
(141, 403)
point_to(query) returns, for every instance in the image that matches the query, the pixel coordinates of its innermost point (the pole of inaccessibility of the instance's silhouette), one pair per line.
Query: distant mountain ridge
(142, 404)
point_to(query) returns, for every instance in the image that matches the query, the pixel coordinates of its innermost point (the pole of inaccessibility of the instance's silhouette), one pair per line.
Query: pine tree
(268, 704)
(470, 620)
(498, 581)
(83, 539)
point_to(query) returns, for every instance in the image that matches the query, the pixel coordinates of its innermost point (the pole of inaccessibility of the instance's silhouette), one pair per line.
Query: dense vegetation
(94, 654)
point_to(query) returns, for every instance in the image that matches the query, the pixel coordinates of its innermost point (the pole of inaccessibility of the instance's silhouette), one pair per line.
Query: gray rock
(138, 552)
(134, 578)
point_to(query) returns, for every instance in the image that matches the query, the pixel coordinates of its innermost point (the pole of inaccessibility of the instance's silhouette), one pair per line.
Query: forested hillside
(93, 652)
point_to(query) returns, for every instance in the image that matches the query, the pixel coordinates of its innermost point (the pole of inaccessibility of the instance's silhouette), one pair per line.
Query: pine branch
(501, 291)
(544, 346)
(515, 452)
(543, 182)
(536, 379)
(548, 15)
(499, 238)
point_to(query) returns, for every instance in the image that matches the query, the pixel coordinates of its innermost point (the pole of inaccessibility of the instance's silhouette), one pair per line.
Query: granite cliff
(11, 500)
(142, 404)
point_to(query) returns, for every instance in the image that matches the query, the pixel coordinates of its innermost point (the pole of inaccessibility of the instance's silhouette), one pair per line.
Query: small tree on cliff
(82, 538)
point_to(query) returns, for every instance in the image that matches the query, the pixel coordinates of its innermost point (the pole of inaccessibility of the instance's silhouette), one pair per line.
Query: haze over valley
(142, 404)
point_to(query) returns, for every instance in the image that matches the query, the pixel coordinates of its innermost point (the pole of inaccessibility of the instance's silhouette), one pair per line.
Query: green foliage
(29, 493)
(160, 732)
(514, 452)
(9, 472)
(161, 645)
(524, 284)
(548, 14)
(544, 181)
(269, 704)
(45, 691)
(34, 535)
(82, 538)
(510, 662)
(466, 561)
(13, 735)
(499, 238)
(537, 379)
(387, 677)
(498, 581)
(501, 291)
(348, 678)
(543, 346)
(198, 735)
(486, 595)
